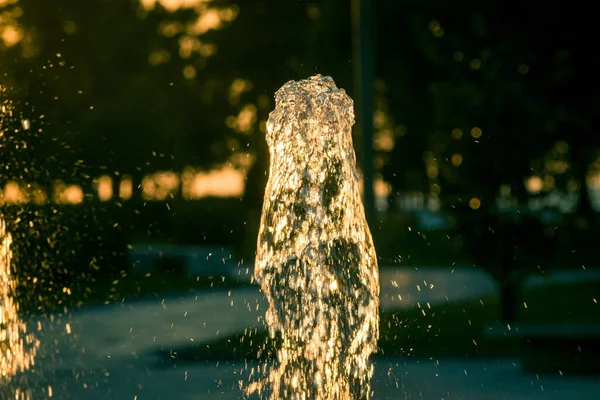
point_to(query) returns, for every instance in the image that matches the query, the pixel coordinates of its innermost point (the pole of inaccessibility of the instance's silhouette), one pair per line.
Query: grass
(454, 329)
(563, 304)
(443, 247)
(449, 330)
(107, 290)
(253, 345)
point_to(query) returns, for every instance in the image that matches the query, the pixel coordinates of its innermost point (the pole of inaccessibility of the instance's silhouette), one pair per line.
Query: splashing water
(17, 346)
(315, 259)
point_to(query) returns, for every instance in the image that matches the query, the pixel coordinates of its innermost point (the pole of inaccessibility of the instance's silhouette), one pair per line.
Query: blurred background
(133, 166)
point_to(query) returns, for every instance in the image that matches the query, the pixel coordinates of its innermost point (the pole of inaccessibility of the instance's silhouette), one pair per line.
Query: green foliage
(109, 105)
(398, 240)
(209, 221)
(478, 67)
(103, 107)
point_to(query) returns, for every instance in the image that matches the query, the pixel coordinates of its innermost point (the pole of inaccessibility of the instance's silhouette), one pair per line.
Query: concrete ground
(143, 379)
(110, 352)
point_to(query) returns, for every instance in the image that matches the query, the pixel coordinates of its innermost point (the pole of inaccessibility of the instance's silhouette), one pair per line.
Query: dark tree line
(478, 95)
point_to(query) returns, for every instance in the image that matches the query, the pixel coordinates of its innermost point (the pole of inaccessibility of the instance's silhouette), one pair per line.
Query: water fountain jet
(315, 260)
(17, 346)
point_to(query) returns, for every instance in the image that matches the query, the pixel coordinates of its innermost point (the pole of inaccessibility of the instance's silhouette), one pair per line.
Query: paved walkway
(109, 352)
(405, 287)
(143, 379)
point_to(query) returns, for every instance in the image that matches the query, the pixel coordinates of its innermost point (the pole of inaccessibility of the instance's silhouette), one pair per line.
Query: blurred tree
(485, 98)
(149, 85)
(405, 67)
(269, 44)
(126, 101)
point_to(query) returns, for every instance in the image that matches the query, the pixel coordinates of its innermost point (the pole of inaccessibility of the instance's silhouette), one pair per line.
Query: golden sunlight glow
(58, 187)
(226, 182)
(189, 72)
(476, 132)
(534, 184)
(187, 181)
(105, 188)
(17, 346)
(67, 194)
(384, 140)
(432, 170)
(456, 159)
(556, 166)
(238, 87)
(148, 188)
(126, 188)
(549, 182)
(11, 35)
(244, 120)
(189, 45)
(209, 19)
(208, 16)
(242, 161)
(593, 181)
(230, 13)
(379, 119)
(13, 193)
(35, 194)
(474, 203)
(171, 5)
(160, 185)
(381, 188)
(159, 57)
(170, 28)
(593, 175)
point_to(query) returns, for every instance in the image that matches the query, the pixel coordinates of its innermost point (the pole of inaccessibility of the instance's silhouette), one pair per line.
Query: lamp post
(363, 83)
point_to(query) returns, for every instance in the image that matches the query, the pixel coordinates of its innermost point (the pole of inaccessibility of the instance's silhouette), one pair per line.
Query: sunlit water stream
(17, 346)
(315, 260)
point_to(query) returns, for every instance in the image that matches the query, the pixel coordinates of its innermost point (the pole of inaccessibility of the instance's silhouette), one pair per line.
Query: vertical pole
(363, 81)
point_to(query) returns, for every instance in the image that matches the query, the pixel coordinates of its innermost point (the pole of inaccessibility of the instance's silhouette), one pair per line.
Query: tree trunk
(136, 188)
(509, 301)
(510, 276)
(116, 186)
(584, 208)
(392, 201)
(583, 160)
